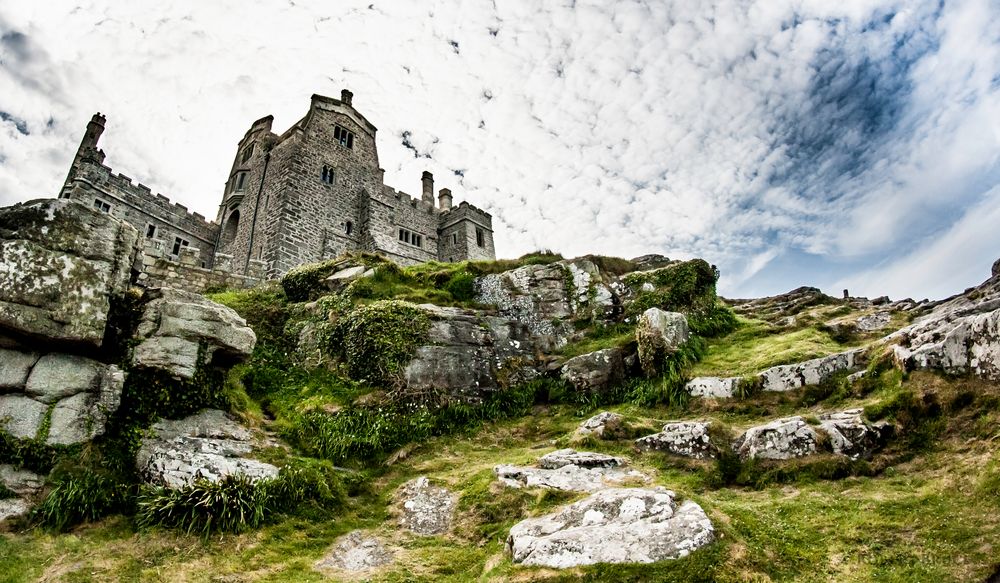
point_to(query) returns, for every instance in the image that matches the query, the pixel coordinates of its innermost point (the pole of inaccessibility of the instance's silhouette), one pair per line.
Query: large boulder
(781, 439)
(570, 471)
(468, 355)
(426, 509)
(683, 438)
(15, 367)
(621, 525)
(208, 445)
(178, 327)
(713, 387)
(595, 373)
(659, 334)
(811, 372)
(61, 263)
(604, 425)
(546, 298)
(77, 394)
(850, 435)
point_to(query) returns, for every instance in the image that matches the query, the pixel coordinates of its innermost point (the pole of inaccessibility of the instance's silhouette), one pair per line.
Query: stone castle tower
(309, 194)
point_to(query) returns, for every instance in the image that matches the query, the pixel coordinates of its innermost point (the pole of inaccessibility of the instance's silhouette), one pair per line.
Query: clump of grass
(669, 387)
(380, 338)
(82, 495)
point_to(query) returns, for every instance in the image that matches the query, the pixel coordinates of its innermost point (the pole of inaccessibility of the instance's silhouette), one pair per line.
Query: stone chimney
(444, 199)
(428, 194)
(346, 96)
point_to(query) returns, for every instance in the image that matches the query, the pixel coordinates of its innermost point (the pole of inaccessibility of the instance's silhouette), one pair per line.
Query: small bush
(669, 388)
(380, 338)
(461, 286)
(305, 282)
(82, 495)
(233, 504)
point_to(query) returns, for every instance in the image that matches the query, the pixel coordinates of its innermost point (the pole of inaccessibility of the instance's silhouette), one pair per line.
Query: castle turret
(428, 194)
(444, 199)
(88, 150)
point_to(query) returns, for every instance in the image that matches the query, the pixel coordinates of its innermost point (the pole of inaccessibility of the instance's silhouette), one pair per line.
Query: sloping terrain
(356, 377)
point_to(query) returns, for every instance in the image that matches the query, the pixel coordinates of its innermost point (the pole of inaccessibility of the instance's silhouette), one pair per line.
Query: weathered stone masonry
(309, 194)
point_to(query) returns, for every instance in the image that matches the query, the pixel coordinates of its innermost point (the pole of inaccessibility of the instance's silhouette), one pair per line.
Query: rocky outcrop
(781, 439)
(874, 322)
(208, 445)
(953, 344)
(683, 438)
(595, 373)
(355, 552)
(782, 309)
(61, 263)
(624, 525)
(426, 509)
(570, 471)
(546, 298)
(466, 356)
(787, 377)
(24, 484)
(604, 425)
(850, 435)
(77, 395)
(658, 335)
(178, 328)
(341, 278)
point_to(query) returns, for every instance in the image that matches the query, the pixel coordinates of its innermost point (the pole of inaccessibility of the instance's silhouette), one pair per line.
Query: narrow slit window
(348, 227)
(454, 238)
(480, 237)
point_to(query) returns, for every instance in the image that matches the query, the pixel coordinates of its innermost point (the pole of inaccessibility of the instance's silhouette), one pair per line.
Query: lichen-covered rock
(570, 471)
(713, 387)
(957, 346)
(19, 481)
(467, 355)
(583, 459)
(621, 525)
(873, 322)
(208, 445)
(21, 416)
(811, 372)
(426, 509)
(683, 438)
(13, 508)
(659, 334)
(83, 416)
(57, 376)
(781, 439)
(782, 309)
(356, 552)
(605, 425)
(545, 298)
(61, 262)
(178, 326)
(595, 373)
(15, 367)
(851, 435)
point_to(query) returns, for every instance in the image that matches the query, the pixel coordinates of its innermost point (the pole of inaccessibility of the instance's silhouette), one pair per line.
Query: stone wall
(388, 212)
(188, 274)
(138, 206)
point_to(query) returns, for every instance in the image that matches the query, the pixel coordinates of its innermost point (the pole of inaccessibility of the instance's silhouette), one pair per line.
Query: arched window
(230, 230)
(348, 227)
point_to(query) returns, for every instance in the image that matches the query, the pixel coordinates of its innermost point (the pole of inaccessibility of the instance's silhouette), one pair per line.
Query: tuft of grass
(82, 495)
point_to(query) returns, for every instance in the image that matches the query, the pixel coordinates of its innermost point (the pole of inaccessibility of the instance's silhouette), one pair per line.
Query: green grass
(756, 346)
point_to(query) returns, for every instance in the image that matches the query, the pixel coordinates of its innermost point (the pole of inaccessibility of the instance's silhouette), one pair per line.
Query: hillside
(407, 424)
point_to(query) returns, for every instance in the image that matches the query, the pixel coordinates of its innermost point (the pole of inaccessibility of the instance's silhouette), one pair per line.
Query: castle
(309, 194)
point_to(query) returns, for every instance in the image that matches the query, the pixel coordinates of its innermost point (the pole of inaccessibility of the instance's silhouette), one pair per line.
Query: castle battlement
(311, 193)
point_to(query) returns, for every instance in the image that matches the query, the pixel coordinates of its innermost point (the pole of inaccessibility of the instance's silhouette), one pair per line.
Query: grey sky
(838, 144)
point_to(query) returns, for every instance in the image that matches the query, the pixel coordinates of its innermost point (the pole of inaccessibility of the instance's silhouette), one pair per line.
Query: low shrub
(669, 387)
(380, 338)
(233, 504)
(83, 495)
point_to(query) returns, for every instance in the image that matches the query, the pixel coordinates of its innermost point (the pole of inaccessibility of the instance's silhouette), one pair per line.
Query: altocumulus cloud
(839, 144)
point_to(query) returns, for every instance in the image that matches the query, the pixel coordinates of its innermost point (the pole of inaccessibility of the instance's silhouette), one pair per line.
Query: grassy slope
(934, 517)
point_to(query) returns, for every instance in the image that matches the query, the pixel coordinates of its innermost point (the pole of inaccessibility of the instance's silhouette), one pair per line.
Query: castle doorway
(229, 231)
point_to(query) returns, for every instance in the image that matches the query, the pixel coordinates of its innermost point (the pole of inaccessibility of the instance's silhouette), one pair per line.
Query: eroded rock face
(82, 394)
(683, 438)
(208, 445)
(597, 372)
(60, 264)
(13, 508)
(713, 387)
(781, 439)
(811, 372)
(621, 525)
(570, 471)
(426, 509)
(851, 435)
(20, 482)
(605, 425)
(659, 334)
(356, 552)
(176, 325)
(872, 322)
(465, 354)
(545, 298)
